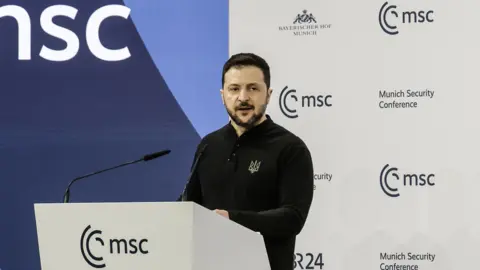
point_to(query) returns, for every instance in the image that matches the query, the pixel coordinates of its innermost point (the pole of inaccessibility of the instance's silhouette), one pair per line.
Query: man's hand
(222, 213)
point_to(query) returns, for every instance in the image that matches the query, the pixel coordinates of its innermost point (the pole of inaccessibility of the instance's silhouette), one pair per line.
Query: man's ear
(269, 94)
(221, 95)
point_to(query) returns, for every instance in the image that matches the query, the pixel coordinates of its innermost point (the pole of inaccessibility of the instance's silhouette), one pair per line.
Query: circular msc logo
(116, 246)
(386, 174)
(284, 94)
(390, 179)
(389, 17)
(382, 18)
(92, 260)
(289, 109)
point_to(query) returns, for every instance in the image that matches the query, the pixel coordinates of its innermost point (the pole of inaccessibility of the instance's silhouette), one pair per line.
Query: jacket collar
(255, 131)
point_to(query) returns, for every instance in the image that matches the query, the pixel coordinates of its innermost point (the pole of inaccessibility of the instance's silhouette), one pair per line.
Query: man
(253, 171)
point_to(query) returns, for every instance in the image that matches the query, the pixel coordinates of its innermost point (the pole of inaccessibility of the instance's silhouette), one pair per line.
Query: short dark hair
(247, 59)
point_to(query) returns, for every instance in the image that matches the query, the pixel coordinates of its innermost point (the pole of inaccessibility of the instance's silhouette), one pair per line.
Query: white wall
(350, 57)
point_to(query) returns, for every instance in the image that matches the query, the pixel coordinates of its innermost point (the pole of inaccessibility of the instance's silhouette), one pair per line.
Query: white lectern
(144, 236)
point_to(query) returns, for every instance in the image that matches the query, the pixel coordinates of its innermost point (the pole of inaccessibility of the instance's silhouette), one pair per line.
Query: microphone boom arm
(66, 195)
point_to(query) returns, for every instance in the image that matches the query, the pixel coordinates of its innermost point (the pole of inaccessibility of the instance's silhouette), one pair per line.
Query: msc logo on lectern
(116, 246)
(390, 180)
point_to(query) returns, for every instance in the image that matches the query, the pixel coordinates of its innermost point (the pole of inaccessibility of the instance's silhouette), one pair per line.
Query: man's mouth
(244, 108)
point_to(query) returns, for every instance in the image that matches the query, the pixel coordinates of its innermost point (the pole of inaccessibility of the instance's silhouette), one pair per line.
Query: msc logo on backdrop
(116, 246)
(389, 18)
(289, 101)
(390, 180)
(24, 24)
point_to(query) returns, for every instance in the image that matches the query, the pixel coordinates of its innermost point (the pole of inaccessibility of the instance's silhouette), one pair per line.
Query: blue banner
(86, 85)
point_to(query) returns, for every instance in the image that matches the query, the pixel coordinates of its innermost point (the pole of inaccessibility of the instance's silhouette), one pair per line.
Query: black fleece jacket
(264, 179)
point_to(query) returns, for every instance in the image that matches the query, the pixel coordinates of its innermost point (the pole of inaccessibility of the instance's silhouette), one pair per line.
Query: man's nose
(243, 96)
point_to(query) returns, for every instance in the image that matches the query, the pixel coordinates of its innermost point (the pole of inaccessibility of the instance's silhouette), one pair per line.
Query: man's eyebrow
(248, 84)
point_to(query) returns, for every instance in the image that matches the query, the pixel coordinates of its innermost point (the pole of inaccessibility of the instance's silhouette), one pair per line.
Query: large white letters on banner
(385, 94)
(92, 32)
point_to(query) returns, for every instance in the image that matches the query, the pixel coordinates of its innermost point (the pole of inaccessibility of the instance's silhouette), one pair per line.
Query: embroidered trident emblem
(254, 166)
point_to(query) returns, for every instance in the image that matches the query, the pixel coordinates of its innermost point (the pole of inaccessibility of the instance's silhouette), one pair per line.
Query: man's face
(245, 95)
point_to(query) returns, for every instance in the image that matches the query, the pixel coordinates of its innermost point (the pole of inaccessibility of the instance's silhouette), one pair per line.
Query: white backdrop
(343, 50)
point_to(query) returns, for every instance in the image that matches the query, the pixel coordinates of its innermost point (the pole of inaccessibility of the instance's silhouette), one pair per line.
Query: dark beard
(251, 122)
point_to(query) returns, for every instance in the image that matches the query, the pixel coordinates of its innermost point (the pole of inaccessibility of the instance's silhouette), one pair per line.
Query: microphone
(66, 195)
(183, 197)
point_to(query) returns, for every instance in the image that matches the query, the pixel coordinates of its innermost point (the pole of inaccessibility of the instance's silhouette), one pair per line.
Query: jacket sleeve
(295, 193)
(192, 189)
